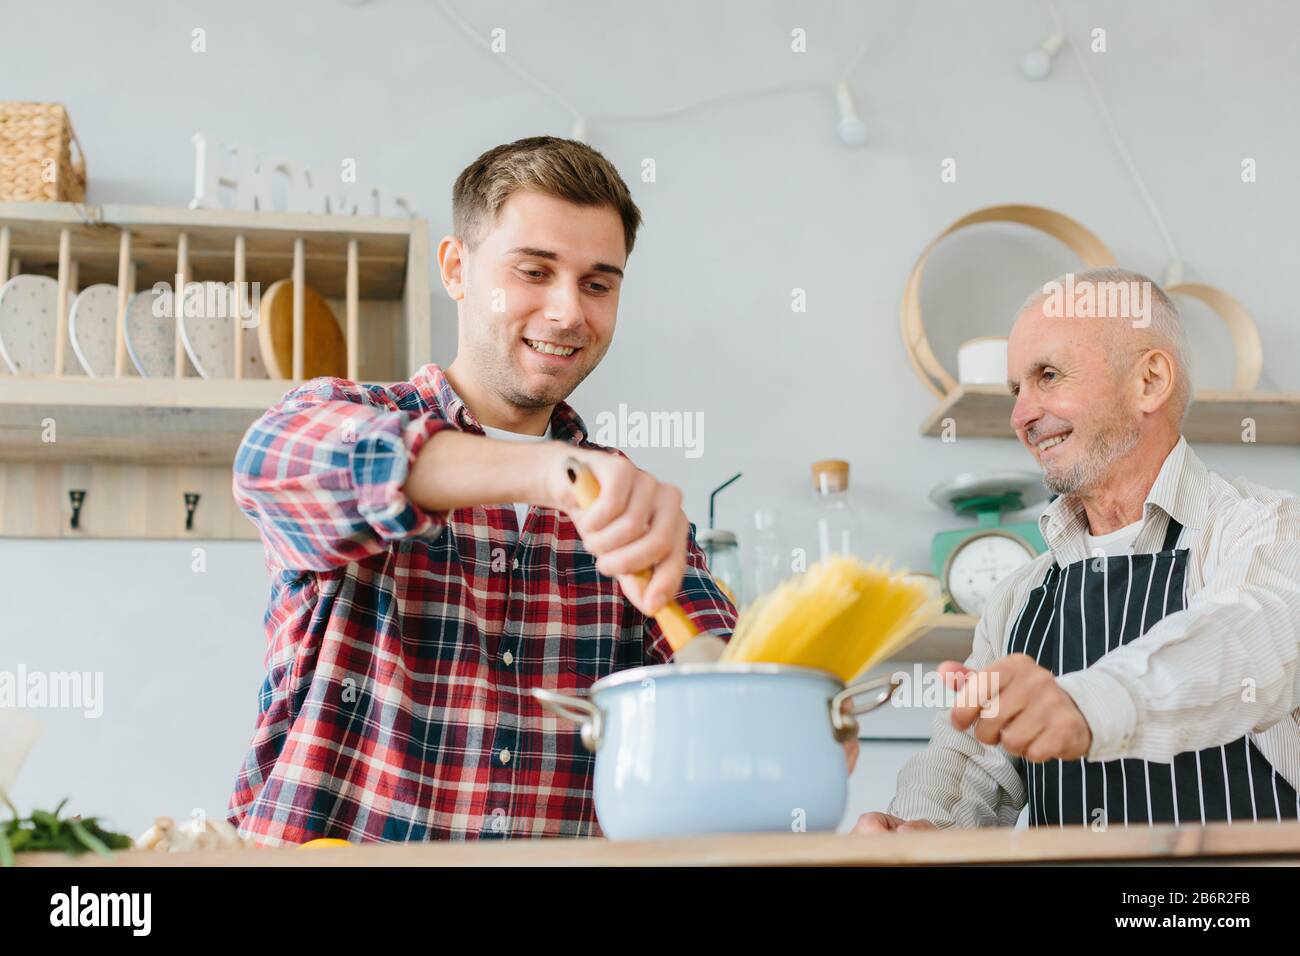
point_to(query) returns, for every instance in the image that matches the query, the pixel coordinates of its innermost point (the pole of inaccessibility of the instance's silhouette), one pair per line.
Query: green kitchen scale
(970, 562)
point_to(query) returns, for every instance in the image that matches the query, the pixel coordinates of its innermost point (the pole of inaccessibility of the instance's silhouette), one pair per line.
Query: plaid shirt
(403, 644)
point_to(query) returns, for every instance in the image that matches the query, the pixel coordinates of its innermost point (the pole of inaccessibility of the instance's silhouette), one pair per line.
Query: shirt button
(505, 756)
(508, 658)
(515, 564)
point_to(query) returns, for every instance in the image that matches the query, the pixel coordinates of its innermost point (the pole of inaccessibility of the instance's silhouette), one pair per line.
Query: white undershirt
(1115, 543)
(521, 507)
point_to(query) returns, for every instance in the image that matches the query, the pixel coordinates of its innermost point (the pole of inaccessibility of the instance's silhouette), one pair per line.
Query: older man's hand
(888, 823)
(1020, 707)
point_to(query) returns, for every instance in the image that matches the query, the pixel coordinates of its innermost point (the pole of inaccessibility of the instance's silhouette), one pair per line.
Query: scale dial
(979, 563)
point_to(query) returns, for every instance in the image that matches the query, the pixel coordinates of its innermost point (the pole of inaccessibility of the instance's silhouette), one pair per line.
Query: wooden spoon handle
(673, 621)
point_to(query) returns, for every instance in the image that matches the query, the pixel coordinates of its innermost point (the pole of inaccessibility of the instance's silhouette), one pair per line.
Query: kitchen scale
(970, 562)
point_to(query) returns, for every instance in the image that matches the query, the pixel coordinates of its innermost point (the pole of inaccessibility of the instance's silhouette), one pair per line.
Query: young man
(426, 576)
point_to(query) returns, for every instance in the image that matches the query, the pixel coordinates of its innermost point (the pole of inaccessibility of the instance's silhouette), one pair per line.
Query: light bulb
(853, 132)
(1037, 64)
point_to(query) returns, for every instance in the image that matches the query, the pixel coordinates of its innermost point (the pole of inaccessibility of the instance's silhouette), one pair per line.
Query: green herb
(47, 830)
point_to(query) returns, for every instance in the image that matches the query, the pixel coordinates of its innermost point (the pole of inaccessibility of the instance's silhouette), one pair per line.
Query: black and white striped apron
(1077, 615)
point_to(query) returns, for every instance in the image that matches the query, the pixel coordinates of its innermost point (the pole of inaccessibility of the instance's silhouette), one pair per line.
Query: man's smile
(552, 349)
(1045, 445)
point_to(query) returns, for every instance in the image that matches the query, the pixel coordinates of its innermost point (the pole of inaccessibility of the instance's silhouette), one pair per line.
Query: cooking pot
(685, 749)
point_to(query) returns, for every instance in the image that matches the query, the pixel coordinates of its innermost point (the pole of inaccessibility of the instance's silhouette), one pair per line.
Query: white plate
(92, 326)
(209, 337)
(150, 338)
(29, 324)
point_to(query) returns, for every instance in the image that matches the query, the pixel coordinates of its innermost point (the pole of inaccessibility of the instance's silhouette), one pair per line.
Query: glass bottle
(723, 556)
(840, 528)
(769, 562)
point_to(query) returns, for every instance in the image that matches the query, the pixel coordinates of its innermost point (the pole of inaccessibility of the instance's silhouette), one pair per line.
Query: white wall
(752, 200)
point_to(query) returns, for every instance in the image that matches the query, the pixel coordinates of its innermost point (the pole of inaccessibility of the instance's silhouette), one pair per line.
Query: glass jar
(723, 556)
(838, 525)
(769, 562)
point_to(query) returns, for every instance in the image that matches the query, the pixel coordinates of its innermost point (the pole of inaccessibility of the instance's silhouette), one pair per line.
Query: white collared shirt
(1226, 665)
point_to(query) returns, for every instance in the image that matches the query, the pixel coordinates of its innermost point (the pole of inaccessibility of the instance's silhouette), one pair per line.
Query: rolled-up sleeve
(955, 780)
(321, 474)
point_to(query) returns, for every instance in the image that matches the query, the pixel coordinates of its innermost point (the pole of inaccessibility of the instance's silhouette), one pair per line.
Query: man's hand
(884, 822)
(1020, 707)
(635, 524)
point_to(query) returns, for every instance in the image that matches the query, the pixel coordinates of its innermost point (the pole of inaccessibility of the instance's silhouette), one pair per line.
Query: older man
(1144, 669)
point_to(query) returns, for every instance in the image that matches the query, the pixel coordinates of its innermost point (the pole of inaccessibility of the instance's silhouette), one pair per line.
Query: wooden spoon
(673, 621)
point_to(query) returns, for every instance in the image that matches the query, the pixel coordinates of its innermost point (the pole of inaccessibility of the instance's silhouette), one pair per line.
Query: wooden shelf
(187, 421)
(950, 640)
(984, 411)
(95, 232)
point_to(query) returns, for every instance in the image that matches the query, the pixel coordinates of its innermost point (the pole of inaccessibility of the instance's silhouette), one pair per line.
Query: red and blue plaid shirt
(403, 644)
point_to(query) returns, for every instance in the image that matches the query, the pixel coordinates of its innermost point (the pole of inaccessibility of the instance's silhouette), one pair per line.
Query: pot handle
(844, 719)
(578, 709)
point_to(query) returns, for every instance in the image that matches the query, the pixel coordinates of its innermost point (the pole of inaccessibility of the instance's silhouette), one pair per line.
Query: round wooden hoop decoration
(1087, 246)
(1245, 334)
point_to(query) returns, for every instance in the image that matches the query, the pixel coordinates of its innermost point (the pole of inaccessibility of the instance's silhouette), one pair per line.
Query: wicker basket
(36, 155)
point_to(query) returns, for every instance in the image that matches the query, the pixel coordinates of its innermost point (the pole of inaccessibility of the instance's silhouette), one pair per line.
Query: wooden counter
(1264, 843)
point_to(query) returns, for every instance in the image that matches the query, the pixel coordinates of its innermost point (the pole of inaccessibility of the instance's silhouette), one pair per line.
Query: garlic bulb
(166, 837)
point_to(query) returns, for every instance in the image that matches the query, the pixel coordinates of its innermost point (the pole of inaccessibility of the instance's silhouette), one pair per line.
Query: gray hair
(1165, 331)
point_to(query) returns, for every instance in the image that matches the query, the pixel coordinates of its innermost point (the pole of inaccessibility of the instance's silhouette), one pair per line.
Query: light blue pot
(686, 749)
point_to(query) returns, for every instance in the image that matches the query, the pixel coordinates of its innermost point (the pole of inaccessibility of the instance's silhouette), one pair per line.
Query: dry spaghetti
(840, 615)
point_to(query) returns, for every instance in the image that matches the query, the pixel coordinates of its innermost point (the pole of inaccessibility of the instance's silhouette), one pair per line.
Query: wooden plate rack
(138, 449)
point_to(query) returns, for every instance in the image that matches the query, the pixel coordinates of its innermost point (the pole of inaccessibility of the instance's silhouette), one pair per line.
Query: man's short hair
(563, 168)
(1166, 330)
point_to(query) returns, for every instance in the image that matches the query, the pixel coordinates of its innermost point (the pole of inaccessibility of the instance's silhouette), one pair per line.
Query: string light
(851, 128)
(853, 132)
(1037, 64)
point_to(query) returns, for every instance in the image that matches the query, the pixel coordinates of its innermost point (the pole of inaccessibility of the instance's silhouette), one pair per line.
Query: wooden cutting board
(324, 350)
(1217, 843)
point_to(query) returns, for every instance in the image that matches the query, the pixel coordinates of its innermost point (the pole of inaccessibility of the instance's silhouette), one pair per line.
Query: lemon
(322, 843)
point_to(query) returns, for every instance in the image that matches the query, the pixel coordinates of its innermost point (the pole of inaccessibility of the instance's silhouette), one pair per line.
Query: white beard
(1108, 447)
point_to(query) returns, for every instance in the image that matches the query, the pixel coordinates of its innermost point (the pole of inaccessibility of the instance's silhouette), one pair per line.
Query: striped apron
(1077, 615)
